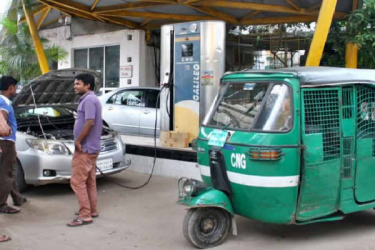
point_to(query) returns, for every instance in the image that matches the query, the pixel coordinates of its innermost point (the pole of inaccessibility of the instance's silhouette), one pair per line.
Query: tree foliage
(358, 28)
(17, 52)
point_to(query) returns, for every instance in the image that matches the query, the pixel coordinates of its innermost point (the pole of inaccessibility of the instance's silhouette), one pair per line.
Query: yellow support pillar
(321, 32)
(43, 64)
(351, 52)
(351, 55)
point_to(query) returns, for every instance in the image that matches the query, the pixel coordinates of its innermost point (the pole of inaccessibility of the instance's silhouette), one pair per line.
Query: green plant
(17, 52)
(358, 28)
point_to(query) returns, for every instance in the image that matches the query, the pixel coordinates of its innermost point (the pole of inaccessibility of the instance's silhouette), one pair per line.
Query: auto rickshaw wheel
(206, 227)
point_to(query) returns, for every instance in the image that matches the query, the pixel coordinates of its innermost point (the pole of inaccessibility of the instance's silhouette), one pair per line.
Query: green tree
(358, 28)
(17, 52)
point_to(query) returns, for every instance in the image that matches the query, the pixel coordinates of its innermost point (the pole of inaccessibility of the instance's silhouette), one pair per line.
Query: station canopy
(151, 14)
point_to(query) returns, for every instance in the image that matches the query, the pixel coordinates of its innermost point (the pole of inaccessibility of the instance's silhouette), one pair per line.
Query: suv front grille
(108, 145)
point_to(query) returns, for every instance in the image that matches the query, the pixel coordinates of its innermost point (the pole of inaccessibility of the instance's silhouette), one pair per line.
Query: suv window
(151, 98)
(127, 98)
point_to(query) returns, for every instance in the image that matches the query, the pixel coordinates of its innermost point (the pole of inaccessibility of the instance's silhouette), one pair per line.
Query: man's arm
(85, 131)
(5, 114)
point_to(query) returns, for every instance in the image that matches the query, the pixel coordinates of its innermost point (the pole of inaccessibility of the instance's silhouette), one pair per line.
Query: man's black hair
(6, 82)
(86, 79)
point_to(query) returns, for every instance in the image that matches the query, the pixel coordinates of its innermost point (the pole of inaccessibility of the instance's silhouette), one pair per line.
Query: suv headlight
(48, 146)
(119, 137)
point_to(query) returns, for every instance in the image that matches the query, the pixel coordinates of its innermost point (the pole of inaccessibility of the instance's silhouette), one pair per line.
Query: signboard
(218, 138)
(207, 78)
(126, 71)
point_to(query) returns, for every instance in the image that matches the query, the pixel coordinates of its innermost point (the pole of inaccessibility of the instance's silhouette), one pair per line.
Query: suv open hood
(54, 88)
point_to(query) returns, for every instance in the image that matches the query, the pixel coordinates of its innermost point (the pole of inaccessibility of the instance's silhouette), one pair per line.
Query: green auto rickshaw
(289, 146)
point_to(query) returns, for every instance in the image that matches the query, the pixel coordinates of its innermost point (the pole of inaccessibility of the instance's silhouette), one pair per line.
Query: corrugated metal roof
(147, 14)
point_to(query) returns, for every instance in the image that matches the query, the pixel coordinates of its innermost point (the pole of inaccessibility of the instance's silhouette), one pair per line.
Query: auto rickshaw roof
(312, 76)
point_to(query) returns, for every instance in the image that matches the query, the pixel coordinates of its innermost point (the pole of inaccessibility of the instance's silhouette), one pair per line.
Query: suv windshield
(240, 107)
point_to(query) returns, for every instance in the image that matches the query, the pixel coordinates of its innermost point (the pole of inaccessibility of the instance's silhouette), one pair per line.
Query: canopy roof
(312, 76)
(151, 14)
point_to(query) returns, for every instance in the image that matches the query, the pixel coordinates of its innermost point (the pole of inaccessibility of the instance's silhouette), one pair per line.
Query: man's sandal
(79, 222)
(4, 238)
(9, 210)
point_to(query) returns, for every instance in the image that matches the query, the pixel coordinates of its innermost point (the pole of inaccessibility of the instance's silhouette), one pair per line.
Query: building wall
(164, 167)
(142, 58)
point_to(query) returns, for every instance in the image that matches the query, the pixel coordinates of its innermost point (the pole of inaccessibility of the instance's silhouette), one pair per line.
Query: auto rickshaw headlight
(193, 187)
(188, 188)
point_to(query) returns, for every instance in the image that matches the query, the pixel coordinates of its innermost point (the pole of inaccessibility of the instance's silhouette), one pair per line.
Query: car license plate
(104, 164)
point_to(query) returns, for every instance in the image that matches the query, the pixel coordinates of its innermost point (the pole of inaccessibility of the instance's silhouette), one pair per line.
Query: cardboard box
(174, 139)
(164, 135)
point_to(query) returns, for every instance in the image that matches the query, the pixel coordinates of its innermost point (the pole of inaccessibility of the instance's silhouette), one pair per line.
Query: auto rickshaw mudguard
(209, 198)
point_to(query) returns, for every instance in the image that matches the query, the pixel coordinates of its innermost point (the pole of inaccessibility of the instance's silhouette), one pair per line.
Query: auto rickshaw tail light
(265, 154)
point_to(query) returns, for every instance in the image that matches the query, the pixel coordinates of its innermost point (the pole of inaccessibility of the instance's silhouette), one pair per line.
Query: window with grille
(105, 60)
(322, 115)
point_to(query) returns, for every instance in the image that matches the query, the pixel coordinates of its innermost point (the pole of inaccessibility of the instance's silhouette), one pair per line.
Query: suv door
(123, 110)
(148, 114)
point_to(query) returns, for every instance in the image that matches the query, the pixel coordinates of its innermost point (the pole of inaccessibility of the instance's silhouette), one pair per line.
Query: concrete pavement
(149, 218)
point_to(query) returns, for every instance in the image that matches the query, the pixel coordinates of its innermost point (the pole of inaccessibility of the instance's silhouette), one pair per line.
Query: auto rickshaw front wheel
(206, 227)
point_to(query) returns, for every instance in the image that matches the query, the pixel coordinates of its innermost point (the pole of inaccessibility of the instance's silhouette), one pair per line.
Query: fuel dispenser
(192, 63)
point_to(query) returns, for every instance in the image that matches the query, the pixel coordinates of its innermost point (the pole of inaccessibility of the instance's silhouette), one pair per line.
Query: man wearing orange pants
(87, 131)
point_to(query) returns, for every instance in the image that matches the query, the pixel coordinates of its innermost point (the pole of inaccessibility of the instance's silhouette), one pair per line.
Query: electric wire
(155, 152)
(166, 103)
(40, 123)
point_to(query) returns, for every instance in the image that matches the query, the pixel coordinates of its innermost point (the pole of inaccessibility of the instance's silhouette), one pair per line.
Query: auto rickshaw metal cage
(318, 166)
